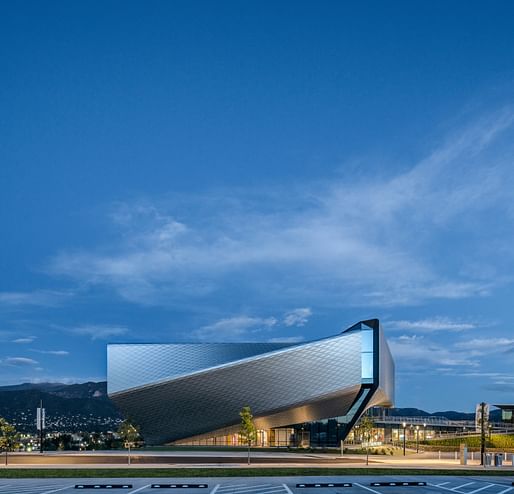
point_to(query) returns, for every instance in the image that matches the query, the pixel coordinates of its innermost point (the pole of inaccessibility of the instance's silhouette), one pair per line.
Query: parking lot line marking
(250, 489)
(481, 489)
(140, 488)
(57, 490)
(287, 489)
(262, 490)
(215, 489)
(461, 486)
(440, 486)
(442, 483)
(367, 488)
(246, 487)
(233, 486)
(271, 490)
(506, 490)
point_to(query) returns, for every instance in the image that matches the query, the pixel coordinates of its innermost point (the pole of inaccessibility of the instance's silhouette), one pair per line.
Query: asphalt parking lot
(268, 485)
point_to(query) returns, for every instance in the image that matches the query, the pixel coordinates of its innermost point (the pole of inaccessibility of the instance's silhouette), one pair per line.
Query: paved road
(270, 485)
(166, 459)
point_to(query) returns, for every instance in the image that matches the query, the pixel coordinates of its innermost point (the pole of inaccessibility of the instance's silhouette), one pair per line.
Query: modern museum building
(300, 394)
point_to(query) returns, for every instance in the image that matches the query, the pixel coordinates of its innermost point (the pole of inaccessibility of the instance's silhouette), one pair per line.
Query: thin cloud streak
(61, 353)
(234, 329)
(28, 339)
(40, 298)
(430, 325)
(98, 331)
(19, 361)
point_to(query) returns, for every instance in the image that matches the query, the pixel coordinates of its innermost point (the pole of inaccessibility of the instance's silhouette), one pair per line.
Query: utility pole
(40, 423)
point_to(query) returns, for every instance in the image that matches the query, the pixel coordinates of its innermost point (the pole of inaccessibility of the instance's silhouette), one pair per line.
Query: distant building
(192, 393)
(507, 413)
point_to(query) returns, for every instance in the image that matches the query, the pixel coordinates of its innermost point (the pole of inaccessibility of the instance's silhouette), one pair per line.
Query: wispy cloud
(415, 351)
(19, 361)
(52, 352)
(500, 388)
(372, 242)
(483, 346)
(297, 317)
(24, 340)
(41, 298)
(234, 328)
(98, 331)
(429, 325)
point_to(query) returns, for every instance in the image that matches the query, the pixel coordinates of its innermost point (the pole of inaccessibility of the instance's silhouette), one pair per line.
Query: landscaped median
(235, 472)
(500, 442)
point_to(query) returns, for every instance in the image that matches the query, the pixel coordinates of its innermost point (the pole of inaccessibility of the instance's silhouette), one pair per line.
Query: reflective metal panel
(178, 391)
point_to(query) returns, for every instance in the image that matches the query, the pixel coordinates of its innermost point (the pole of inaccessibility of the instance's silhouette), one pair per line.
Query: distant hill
(69, 408)
(451, 415)
(83, 390)
(86, 407)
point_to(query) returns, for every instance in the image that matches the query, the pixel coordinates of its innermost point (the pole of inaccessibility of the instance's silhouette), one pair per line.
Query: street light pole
(417, 439)
(404, 426)
(482, 433)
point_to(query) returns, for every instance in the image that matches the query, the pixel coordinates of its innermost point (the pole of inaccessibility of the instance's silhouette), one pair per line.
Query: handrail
(441, 421)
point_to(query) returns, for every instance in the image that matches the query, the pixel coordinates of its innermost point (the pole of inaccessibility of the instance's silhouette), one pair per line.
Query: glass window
(367, 365)
(366, 341)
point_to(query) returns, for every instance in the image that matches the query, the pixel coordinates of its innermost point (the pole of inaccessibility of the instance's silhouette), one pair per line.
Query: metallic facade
(176, 392)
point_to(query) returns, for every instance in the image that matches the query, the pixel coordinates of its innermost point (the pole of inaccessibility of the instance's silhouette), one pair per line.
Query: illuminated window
(367, 356)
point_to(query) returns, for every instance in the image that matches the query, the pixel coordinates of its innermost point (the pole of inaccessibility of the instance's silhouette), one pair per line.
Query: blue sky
(259, 171)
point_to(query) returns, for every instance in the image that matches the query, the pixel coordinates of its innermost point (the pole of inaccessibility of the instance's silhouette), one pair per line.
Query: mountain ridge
(86, 407)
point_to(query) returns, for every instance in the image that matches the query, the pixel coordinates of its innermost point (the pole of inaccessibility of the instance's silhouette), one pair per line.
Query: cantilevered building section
(184, 393)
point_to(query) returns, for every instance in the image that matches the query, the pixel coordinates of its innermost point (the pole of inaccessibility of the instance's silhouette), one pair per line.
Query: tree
(366, 427)
(8, 437)
(247, 431)
(129, 434)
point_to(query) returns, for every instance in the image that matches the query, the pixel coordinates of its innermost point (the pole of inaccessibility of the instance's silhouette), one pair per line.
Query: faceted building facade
(193, 393)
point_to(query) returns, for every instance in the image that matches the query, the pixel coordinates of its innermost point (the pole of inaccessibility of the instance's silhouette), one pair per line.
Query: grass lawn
(26, 473)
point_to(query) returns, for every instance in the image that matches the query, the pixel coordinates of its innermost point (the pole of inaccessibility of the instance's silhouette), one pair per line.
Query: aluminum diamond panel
(133, 365)
(283, 386)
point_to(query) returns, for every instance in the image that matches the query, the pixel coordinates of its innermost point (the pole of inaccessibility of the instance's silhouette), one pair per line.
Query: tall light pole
(482, 433)
(404, 427)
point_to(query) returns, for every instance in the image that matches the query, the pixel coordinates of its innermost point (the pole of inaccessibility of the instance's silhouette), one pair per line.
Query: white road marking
(57, 490)
(367, 488)
(41, 489)
(506, 490)
(140, 489)
(289, 490)
(481, 488)
(442, 483)
(247, 487)
(461, 486)
(215, 489)
(233, 486)
(260, 490)
(252, 489)
(271, 490)
(440, 486)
